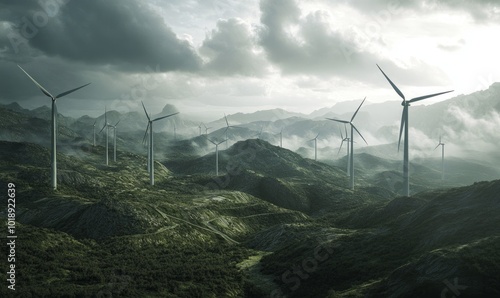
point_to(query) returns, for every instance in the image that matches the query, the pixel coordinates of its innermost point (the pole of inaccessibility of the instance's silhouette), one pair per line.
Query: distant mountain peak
(169, 109)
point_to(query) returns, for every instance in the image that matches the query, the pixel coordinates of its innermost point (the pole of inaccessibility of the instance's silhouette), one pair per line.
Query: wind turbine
(93, 132)
(442, 157)
(404, 123)
(151, 156)
(216, 154)
(353, 128)
(281, 138)
(54, 125)
(346, 139)
(315, 147)
(206, 129)
(106, 125)
(114, 139)
(227, 128)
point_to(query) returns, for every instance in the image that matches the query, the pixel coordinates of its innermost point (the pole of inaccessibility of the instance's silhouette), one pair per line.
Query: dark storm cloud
(126, 34)
(308, 45)
(230, 50)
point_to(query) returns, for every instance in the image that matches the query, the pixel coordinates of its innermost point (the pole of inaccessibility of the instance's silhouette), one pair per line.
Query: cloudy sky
(210, 57)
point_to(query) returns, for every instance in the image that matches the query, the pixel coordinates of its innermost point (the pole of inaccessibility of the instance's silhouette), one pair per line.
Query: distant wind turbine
(114, 140)
(93, 132)
(227, 128)
(206, 129)
(345, 139)
(106, 125)
(281, 138)
(54, 125)
(151, 152)
(404, 124)
(315, 146)
(353, 128)
(442, 157)
(216, 154)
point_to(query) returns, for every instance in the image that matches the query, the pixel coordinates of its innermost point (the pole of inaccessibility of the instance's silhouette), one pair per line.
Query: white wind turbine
(281, 138)
(404, 124)
(227, 128)
(206, 129)
(315, 146)
(106, 125)
(353, 128)
(93, 133)
(54, 125)
(216, 154)
(345, 139)
(151, 151)
(114, 139)
(442, 157)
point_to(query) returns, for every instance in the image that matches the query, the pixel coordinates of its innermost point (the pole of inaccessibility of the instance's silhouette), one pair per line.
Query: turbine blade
(427, 96)
(227, 123)
(341, 143)
(36, 83)
(317, 136)
(145, 134)
(341, 121)
(341, 136)
(358, 109)
(211, 141)
(345, 127)
(102, 128)
(118, 122)
(437, 146)
(71, 91)
(392, 84)
(165, 116)
(149, 119)
(403, 123)
(359, 133)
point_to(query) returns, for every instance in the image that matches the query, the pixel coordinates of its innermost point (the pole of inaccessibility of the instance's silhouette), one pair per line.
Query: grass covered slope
(273, 224)
(408, 250)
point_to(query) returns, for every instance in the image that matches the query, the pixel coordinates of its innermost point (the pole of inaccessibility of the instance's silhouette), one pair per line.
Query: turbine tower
(404, 124)
(54, 125)
(93, 132)
(281, 138)
(151, 152)
(353, 128)
(345, 139)
(315, 146)
(216, 154)
(227, 128)
(145, 142)
(106, 125)
(114, 140)
(442, 157)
